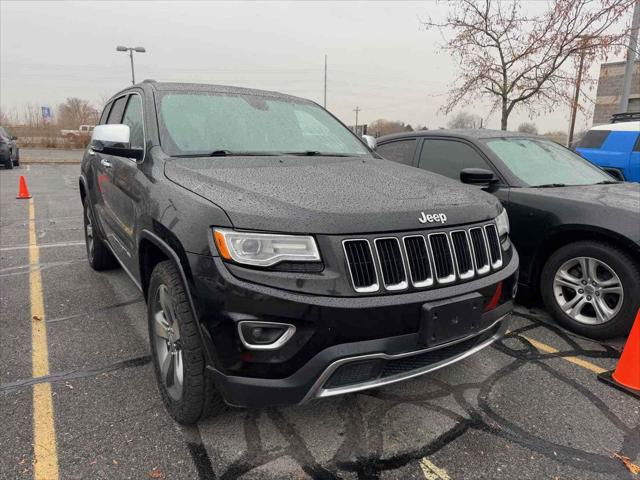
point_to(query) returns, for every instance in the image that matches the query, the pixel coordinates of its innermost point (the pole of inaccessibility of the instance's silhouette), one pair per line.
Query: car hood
(620, 196)
(328, 195)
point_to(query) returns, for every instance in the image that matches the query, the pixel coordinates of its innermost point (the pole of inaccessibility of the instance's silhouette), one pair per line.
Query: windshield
(540, 162)
(204, 123)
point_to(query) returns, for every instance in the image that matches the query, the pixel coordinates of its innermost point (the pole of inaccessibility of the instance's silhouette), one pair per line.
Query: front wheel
(592, 288)
(185, 384)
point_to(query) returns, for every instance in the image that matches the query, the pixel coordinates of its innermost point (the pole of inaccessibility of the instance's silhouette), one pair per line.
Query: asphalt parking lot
(529, 407)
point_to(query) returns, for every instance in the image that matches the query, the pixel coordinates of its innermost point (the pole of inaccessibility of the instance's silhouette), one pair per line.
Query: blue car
(615, 148)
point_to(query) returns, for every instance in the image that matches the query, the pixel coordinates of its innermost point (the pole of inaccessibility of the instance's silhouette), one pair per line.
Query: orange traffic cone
(23, 191)
(626, 376)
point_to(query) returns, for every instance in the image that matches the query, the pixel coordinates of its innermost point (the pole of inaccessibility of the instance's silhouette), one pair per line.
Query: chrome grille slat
(480, 250)
(422, 261)
(391, 263)
(442, 257)
(419, 261)
(364, 277)
(462, 254)
(493, 243)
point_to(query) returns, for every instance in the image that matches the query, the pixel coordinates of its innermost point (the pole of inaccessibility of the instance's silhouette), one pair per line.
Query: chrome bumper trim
(316, 391)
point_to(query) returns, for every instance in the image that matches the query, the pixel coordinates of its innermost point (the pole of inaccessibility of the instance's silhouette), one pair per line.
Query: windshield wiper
(550, 185)
(226, 153)
(316, 153)
(607, 182)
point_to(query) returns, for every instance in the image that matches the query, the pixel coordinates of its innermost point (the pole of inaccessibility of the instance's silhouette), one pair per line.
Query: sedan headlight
(265, 249)
(502, 223)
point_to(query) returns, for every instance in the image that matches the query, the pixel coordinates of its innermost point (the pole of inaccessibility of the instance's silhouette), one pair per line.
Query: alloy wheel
(588, 290)
(168, 346)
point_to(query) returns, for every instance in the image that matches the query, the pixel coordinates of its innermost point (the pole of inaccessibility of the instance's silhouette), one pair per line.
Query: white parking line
(42, 245)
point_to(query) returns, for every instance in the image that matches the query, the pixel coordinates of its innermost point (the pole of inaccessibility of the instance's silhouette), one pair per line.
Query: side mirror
(114, 140)
(370, 141)
(478, 176)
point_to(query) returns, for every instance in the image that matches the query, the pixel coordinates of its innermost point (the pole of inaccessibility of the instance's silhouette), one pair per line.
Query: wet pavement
(529, 407)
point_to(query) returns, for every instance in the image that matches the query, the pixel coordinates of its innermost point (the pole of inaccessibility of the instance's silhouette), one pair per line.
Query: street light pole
(631, 55)
(120, 48)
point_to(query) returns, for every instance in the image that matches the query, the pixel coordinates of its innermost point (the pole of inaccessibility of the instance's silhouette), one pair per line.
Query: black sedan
(576, 228)
(9, 152)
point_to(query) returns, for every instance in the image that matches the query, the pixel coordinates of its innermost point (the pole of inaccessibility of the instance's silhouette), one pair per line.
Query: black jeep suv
(281, 259)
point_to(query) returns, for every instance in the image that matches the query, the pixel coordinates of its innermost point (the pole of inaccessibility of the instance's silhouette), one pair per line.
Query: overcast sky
(380, 58)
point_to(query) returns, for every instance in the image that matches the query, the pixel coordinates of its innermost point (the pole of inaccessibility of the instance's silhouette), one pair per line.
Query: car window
(593, 139)
(200, 123)
(542, 162)
(133, 118)
(115, 115)
(400, 151)
(636, 147)
(448, 157)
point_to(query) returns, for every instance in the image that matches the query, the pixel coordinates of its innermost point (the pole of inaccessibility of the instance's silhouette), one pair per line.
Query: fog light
(264, 335)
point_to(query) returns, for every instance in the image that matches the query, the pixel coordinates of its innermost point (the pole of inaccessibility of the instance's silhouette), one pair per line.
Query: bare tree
(517, 59)
(465, 120)
(528, 127)
(382, 127)
(75, 112)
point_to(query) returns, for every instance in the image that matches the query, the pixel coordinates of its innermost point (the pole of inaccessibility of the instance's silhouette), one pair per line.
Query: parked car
(280, 258)
(9, 151)
(576, 228)
(82, 133)
(615, 147)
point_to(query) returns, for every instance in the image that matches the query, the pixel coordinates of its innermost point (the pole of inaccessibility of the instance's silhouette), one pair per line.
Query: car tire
(185, 384)
(603, 307)
(98, 254)
(9, 164)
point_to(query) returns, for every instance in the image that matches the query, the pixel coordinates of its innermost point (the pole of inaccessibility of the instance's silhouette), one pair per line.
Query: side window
(115, 115)
(448, 157)
(400, 151)
(133, 118)
(636, 147)
(594, 139)
(105, 113)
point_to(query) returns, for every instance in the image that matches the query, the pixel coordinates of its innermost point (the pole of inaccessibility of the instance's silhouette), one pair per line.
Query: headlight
(265, 249)
(502, 223)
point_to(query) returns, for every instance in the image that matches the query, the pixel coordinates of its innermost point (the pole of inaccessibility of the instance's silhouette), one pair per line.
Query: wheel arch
(161, 245)
(573, 233)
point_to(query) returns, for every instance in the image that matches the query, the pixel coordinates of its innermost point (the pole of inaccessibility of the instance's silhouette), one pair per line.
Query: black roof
(468, 133)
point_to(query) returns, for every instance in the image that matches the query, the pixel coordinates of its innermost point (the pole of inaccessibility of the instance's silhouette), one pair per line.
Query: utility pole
(324, 104)
(357, 110)
(631, 56)
(576, 95)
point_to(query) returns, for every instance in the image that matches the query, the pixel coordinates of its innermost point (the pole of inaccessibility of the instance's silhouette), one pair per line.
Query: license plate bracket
(447, 320)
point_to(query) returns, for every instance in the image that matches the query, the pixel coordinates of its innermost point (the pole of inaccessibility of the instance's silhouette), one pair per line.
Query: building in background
(610, 90)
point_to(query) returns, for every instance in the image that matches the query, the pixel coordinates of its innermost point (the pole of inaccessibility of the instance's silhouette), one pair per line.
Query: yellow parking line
(44, 433)
(575, 360)
(431, 472)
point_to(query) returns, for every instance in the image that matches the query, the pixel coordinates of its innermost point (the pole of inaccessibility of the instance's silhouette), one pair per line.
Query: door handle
(105, 163)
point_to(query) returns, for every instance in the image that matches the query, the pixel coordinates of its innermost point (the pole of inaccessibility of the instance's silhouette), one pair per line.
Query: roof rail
(149, 80)
(625, 117)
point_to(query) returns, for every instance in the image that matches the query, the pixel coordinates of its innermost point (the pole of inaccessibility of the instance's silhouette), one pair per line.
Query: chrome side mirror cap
(370, 141)
(114, 140)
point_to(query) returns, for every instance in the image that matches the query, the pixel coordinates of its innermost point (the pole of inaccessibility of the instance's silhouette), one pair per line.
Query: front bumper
(401, 357)
(335, 336)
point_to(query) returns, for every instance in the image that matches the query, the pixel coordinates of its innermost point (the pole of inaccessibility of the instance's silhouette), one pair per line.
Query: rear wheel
(99, 256)
(185, 384)
(592, 288)
(9, 164)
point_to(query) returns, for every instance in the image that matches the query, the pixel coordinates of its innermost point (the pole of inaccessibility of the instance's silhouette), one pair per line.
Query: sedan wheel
(588, 290)
(592, 288)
